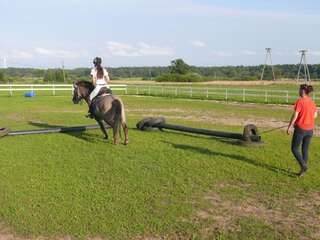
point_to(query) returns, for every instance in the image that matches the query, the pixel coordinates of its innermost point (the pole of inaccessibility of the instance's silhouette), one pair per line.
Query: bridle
(76, 95)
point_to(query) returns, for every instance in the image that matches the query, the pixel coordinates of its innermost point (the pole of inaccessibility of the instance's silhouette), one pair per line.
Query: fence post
(226, 94)
(149, 90)
(191, 94)
(126, 90)
(207, 93)
(137, 90)
(287, 97)
(244, 95)
(53, 90)
(11, 92)
(266, 96)
(176, 91)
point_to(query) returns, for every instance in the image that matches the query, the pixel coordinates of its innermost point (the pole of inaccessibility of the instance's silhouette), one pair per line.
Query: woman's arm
(106, 76)
(93, 77)
(94, 80)
(292, 122)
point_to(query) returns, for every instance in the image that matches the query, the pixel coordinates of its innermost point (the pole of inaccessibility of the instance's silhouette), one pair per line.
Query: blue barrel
(30, 94)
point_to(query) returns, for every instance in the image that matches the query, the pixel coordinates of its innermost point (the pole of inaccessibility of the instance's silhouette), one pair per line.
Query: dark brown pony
(108, 109)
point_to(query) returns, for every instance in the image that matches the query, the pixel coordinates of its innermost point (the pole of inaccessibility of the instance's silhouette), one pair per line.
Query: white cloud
(198, 44)
(57, 53)
(149, 50)
(219, 53)
(43, 51)
(121, 49)
(19, 54)
(138, 50)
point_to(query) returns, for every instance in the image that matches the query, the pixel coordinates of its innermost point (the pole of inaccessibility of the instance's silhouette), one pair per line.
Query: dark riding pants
(303, 137)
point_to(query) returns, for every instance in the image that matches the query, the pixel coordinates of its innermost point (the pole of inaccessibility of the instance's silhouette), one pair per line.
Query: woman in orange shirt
(303, 121)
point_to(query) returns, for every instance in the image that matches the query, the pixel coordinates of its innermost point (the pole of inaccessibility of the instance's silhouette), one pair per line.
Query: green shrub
(189, 77)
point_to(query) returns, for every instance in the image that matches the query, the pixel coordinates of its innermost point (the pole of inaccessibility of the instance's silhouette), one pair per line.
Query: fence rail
(11, 88)
(214, 93)
(218, 93)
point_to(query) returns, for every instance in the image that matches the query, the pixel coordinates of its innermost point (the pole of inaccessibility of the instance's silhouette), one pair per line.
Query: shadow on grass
(236, 157)
(194, 135)
(79, 135)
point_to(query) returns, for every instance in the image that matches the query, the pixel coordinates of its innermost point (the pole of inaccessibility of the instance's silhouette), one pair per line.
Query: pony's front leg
(125, 130)
(103, 129)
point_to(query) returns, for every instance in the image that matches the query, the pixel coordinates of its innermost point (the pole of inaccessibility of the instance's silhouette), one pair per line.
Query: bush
(2, 76)
(189, 77)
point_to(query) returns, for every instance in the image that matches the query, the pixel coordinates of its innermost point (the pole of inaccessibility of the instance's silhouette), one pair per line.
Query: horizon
(163, 66)
(128, 33)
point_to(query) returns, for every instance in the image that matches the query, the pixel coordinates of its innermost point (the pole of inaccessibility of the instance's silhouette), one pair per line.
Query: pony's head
(81, 90)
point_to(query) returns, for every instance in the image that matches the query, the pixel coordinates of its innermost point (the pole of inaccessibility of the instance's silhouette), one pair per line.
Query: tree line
(285, 71)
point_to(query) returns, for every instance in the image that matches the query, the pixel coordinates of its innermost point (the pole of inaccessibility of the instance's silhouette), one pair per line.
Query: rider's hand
(289, 130)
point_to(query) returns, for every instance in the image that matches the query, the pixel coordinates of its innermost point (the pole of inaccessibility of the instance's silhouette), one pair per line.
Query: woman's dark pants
(301, 137)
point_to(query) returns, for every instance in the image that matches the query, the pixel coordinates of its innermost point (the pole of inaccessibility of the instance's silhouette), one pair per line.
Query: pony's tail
(117, 119)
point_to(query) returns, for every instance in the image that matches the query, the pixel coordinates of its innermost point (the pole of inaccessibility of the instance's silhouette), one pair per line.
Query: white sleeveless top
(100, 81)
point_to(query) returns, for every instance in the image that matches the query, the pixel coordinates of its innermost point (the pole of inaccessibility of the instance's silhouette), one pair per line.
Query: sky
(49, 33)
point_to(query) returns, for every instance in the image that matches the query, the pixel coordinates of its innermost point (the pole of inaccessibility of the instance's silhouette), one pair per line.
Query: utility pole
(303, 61)
(63, 72)
(5, 63)
(268, 57)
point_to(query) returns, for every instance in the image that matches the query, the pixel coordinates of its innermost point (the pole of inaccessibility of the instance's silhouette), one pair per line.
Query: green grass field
(163, 185)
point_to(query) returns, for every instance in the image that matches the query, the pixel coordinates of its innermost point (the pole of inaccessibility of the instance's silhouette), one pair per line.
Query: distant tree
(178, 66)
(2, 77)
(54, 75)
(48, 76)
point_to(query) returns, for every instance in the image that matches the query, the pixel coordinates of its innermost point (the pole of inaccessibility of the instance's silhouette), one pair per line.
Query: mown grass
(83, 186)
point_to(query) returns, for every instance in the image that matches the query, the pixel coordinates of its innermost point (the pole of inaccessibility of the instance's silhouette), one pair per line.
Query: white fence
(215, 93)
(219, 93)
(11, 88)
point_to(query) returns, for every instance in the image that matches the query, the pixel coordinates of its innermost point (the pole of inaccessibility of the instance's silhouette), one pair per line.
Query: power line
(63, 72)
(303, 61)
(268, 57)
(4, 62)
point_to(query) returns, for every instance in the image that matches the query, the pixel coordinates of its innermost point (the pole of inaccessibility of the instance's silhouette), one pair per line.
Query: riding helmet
(97, 61)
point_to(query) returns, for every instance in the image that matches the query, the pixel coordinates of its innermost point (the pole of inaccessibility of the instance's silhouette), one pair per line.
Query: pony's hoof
(126, 142)
(90, 116)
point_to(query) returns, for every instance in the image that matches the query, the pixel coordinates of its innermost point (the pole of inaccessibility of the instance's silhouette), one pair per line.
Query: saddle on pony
(103, 92)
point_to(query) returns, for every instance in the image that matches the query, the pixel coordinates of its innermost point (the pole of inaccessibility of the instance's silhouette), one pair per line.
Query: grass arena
(163, 185)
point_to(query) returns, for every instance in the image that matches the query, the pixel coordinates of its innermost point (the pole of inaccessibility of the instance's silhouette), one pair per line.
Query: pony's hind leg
(103, 129)
(115, 136)
(126, 133)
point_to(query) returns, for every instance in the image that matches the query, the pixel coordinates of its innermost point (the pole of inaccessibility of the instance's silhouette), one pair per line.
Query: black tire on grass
(4, 132)
(150, 123)
(250, 131)
(142, 124)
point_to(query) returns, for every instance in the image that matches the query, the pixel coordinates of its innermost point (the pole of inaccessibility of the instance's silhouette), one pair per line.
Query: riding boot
(302, 171)
(90, 111)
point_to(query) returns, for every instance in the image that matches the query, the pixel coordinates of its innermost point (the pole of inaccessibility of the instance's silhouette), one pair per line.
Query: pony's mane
(86, 84)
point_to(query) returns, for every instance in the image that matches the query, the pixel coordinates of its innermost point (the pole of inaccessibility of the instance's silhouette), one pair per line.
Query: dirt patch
(15, 117)
(213, 118)
(59, 111)
(13, 237)
(297, 217)
(157, 110)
